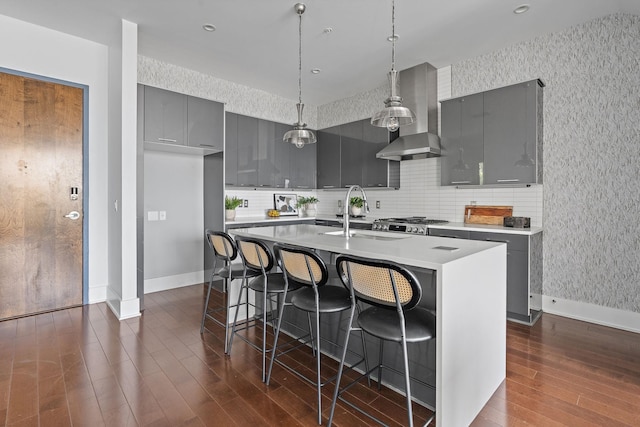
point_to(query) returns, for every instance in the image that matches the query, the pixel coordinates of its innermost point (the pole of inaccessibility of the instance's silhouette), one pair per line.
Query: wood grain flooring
(82, 367)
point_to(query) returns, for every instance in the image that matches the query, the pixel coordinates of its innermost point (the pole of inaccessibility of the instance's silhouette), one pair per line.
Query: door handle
(73, 215)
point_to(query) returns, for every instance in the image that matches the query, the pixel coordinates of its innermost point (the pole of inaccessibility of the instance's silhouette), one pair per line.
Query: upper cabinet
(347, 156)
(205, 123)
(256, 155)
(494, 137)
(176, 122)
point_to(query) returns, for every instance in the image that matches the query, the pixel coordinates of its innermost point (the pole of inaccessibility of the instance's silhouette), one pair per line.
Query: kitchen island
(470, 301)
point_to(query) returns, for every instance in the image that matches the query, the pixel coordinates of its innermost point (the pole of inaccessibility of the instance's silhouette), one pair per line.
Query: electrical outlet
(377, 204)
(163, 215)
(246, 203)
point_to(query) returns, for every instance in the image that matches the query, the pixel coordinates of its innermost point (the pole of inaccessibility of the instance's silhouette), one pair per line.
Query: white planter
(230, 214)
(355, 211)
(310, 210)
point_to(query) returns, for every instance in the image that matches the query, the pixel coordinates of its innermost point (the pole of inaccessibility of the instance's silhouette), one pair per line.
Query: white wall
(33, 49)
(173, 248)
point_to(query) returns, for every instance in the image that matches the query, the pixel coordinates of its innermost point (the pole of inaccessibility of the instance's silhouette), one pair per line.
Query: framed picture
(285, 204)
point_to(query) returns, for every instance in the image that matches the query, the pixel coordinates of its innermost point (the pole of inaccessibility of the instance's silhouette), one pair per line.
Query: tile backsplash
(420, 194)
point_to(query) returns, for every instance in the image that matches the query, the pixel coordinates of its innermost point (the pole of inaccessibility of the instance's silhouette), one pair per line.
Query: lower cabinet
(524, 268)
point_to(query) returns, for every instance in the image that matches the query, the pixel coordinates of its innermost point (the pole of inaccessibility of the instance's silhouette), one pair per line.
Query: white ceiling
(256, 41)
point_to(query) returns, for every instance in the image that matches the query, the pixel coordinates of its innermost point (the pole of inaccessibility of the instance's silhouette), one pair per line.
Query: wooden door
(41, 131)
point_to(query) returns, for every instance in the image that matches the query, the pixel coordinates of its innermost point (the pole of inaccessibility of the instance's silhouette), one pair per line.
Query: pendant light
(299, 135)
(394, 114)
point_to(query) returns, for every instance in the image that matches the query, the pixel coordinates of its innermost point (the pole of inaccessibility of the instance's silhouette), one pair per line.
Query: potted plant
(230, 205)
(356, 204)
(307, 205)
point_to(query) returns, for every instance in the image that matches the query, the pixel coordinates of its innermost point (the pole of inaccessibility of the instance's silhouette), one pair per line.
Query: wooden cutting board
(476, 214)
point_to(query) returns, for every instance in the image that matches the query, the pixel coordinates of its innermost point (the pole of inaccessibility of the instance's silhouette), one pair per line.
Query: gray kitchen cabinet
(231, 150)
(247, 147)
(493, 137)
(179, 123)
(452, 234)
(524, 268)
(462, 129)
(517, 270)
(511, 146)
(165, 115)
(328, 152)
(205, 123)
(302, 166)
(256, 155)
(347, 156)
(266, 153)
(377, 172)
(281, 157)
(351, 157)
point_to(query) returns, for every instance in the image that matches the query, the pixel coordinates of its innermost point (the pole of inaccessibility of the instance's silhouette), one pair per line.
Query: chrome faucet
(345, 213)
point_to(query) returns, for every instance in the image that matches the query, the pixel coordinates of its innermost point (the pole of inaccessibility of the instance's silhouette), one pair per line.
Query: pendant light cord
(393, 35)
(300, 58)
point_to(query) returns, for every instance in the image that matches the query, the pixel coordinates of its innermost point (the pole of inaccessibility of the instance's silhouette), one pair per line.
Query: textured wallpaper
(591, 152)
(238, 98)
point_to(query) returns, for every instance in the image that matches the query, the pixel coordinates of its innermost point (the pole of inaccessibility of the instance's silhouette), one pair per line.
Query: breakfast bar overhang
(470, 304)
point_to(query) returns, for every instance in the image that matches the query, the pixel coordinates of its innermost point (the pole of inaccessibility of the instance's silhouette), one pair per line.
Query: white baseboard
(171, 282)
(606, 316)
(97, 294)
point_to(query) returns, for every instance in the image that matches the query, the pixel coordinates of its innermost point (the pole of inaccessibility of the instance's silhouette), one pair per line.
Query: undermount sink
(364, 235)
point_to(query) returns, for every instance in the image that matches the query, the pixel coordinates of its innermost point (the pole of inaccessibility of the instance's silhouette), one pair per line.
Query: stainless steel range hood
(419, 92)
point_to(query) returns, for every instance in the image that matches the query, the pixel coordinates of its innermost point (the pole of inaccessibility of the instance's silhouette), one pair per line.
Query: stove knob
(385, 227)
(374, 227)
(421, 230)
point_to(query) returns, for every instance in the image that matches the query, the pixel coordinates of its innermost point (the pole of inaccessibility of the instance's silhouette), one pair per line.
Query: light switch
(163, 215)
(152, 216)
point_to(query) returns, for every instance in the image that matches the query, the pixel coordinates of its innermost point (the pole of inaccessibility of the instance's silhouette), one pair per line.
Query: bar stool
(256, 255)
(393, 293)
(225, 251)
(318, 295)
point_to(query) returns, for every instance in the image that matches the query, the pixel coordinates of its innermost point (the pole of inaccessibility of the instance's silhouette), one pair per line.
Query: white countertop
(487, 228)
(369, 219)
(406, 249)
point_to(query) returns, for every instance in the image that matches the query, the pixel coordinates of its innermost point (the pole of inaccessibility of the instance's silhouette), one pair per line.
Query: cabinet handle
(167, 140)
(264, 185)
(328, 186)
(207, 145)
(508, 180)
(446, 235)
(497, 241)
(461, 182)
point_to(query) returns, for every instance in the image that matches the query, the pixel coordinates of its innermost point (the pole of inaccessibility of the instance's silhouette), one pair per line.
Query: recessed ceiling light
(209, 27)
(521, 9)
(393, 38)
(315, 70)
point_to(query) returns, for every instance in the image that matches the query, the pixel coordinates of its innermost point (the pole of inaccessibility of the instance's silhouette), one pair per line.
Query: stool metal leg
(206, 306)
(235, 317)
(341, 367)
(277, 334)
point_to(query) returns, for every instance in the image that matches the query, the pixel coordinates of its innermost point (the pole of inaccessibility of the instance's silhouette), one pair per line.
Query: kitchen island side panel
(471, 332)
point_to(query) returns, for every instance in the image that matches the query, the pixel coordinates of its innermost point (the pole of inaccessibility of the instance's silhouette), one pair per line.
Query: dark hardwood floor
(82, 367)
